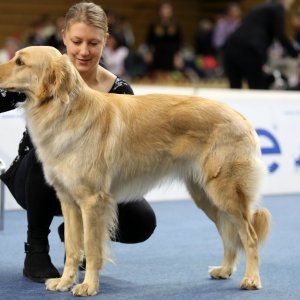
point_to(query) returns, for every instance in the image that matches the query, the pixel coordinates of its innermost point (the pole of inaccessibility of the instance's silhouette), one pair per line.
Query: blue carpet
(173, 263)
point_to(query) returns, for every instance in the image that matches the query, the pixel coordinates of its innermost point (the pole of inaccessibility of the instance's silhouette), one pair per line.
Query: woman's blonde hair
(88, 13)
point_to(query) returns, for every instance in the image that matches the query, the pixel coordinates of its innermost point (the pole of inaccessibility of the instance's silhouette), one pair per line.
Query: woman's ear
(105, 38)
(63, 34)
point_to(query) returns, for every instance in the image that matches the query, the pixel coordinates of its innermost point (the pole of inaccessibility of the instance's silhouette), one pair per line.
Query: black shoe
(37, 265)
(61, 234)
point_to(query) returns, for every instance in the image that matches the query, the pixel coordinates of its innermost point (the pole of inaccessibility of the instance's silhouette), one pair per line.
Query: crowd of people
(164, 55)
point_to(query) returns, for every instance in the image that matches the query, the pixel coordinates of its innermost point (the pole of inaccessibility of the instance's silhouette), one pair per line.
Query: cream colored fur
(98, 149)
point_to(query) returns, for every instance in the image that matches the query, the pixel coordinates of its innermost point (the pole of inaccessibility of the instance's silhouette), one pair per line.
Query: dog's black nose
(12, 97)
(21, 97)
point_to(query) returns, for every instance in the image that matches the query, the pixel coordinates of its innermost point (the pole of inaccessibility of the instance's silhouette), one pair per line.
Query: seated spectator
(295, 21)
(114, 55)
(11, 45)
(122, 27)
(126, 31)
(55, 39)
(203, 39)
(205, 62)
(34, 36)
(39, 31)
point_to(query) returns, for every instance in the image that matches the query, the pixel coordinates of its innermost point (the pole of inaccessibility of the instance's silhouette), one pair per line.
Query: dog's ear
(59, 80)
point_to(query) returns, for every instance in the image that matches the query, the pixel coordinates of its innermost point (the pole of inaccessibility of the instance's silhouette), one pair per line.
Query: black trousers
(136, 219)
(244, 63)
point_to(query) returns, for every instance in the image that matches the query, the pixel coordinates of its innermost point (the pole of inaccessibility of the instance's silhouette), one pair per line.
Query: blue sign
(273, 148)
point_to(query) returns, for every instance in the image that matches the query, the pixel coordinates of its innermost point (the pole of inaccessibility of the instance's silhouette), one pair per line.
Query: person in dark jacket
(84, 37)
(245, 52)
(164, 39)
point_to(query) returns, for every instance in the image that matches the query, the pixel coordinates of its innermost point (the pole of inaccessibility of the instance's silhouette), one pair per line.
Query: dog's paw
(251, 283)
(220, 272)
(84, 289)
(58, 284)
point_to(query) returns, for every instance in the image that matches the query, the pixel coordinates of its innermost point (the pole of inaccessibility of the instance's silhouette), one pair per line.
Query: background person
(164, 40)
(11, 45)
(246, 50)
(226, 25)
(115, 54)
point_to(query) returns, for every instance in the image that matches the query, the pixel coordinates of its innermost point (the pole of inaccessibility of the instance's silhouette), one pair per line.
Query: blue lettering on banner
(273, 149)
(297, 162)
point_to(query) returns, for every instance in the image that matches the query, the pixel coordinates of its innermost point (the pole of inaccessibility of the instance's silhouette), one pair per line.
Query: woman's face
(84, 44)
(166, 11)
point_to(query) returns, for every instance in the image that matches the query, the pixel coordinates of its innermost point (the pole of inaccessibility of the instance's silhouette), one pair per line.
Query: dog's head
(42, 73)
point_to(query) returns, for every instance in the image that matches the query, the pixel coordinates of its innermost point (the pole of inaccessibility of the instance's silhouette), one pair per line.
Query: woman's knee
(32, 186)
(137, 221)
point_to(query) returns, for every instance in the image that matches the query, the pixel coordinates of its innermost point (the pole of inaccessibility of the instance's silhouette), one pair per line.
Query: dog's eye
(19, 62)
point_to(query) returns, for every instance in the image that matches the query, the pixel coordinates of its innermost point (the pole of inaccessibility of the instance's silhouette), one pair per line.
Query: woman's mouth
(83, 61)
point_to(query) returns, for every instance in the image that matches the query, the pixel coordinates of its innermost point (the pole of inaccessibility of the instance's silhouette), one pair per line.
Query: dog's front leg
(73, 245)
(99, 221)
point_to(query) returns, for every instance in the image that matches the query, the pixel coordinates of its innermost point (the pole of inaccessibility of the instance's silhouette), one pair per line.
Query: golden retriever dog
(98, 149)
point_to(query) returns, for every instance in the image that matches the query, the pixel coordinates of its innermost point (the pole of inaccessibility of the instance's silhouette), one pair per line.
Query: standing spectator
(164, 40)
(226, 25)
(246, 50)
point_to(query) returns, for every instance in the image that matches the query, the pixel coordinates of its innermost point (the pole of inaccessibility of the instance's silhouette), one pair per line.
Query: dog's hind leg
(231, 244)
(234, 196)
(73, 245)
(99, 223)
(229, 235)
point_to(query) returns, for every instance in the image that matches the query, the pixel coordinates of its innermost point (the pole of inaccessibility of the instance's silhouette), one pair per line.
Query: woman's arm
(9, 100)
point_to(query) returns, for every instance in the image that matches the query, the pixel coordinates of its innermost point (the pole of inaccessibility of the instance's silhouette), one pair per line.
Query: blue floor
(173, 263)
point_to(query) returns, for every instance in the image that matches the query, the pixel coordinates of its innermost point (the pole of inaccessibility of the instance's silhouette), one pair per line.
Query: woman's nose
(84, 49)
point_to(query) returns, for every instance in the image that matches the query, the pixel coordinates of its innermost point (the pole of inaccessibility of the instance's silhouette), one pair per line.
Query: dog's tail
(261, 221)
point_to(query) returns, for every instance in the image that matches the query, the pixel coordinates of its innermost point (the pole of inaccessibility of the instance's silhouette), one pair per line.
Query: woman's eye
(19, 62)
